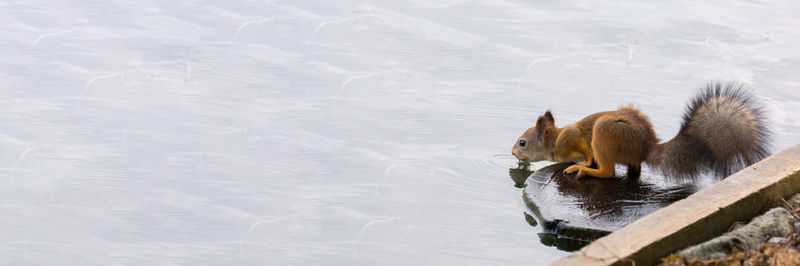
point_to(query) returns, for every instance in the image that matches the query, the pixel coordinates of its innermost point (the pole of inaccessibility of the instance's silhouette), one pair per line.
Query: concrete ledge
(701, 216)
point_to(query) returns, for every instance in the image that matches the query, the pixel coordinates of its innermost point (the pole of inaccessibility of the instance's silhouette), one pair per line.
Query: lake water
(333, 132)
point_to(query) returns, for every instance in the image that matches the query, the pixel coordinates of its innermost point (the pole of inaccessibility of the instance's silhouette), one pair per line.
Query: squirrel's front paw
(575, 168)
(580, 174)
(572, 169)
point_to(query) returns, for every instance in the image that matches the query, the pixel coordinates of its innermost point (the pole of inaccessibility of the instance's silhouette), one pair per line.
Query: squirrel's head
(533, 145)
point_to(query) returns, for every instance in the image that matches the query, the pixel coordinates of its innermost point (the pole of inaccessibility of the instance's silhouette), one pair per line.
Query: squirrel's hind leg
(609, 134)
(634, 171)
(590, 163)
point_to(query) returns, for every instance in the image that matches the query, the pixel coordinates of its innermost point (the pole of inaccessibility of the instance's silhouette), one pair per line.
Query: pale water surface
(333, 132)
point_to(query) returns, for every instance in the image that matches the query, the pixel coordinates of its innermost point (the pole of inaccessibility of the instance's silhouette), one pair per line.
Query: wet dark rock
(588, 208)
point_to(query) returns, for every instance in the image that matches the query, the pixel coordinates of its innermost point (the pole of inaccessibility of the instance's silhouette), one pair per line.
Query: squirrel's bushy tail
(723, 131)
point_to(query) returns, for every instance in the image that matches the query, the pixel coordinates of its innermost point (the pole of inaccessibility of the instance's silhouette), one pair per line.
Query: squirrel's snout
(515, 152)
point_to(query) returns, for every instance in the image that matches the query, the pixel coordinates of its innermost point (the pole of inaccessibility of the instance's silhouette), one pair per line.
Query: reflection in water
(531, 221)
(561, 243)
(520, 174)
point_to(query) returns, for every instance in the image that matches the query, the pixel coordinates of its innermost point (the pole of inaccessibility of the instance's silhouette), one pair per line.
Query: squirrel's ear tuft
(549, 116)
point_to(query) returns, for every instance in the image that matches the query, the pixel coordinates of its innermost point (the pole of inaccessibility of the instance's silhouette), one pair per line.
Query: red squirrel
(723, 131)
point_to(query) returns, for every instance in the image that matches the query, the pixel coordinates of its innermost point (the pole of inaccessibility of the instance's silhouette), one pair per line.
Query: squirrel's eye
(522, 143)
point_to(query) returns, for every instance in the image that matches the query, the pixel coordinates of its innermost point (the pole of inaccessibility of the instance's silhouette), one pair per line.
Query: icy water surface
(333, 132)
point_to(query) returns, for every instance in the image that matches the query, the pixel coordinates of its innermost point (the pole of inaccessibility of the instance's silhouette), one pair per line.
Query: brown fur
(622, 136)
